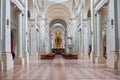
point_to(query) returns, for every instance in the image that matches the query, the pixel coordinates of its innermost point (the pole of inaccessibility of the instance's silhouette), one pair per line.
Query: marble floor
(61, 69)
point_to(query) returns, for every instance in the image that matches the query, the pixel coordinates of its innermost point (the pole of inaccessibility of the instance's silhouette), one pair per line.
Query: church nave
(59, 39)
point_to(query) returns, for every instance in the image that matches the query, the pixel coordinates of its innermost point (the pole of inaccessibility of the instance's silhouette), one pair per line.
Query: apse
(57, 29)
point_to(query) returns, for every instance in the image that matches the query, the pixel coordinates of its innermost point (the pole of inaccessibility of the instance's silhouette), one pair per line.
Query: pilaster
(26, 55)
(19, 59)
(99, 57)
(6, 52)
(119, 29)
(113, 56)
(93, 32)
(42, 28)
(0, 34)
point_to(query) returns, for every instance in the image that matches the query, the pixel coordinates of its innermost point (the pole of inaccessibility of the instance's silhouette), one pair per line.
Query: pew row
(47, 56)
(70, 56)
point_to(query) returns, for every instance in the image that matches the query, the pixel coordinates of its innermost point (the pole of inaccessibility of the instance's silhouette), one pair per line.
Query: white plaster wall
(22, 1)
(32, 40)
(104, 14)
(105, 30)
(14, 17)
(95, 1)
(14, 27)
(15, 40)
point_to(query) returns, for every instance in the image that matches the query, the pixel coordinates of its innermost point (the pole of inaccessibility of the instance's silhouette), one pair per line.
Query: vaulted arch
(58, 11)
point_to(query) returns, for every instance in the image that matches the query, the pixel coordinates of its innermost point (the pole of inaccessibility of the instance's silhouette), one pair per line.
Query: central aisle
(61, 69)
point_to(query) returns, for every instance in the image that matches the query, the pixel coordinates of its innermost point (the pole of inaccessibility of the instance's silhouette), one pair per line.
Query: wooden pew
(48, 56)
(70, 56)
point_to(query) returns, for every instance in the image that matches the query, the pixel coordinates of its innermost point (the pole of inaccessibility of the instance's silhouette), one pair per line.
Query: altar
(58, 51)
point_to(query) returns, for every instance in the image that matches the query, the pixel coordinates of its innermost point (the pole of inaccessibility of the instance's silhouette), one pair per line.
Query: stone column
(85, 39)
(119, 29)
(80, 39)
(1, 62)
(99, 52)
(0, 29)
(82, 36)
(113, 56)
(26, 56)
(42, 30)
(19, 57)
(33, 40)
(82, 43)
(77, 39)
(93, 34)
(6, 51)
(79, 43)
(73, 31)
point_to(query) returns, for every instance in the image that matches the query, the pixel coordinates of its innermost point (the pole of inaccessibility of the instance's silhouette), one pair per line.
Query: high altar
(58, 50)
(58, 44)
